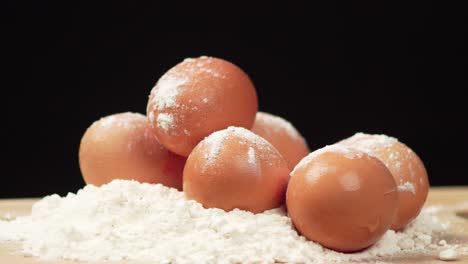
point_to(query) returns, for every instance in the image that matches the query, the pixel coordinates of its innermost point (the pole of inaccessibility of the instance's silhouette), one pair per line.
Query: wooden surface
(453, 202)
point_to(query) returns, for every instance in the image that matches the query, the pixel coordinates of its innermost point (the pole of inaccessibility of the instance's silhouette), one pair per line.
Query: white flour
(129, 220)
(167, 90)
(407, 187)
(279, 124)
(165, 95)
(349, 153)
(215, 143)
(165, 121)
(252, 157)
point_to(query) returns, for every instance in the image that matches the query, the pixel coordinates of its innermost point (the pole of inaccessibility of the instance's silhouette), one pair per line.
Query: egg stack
(203, 135)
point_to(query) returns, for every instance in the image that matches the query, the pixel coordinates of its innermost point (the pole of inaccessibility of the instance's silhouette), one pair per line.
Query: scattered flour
(349, 153)
(166, 91)
(252, 158)
(279, 124)
(107, 121)
(393, 156)
(165, 121)
(374, 144)
(125, 120)
(164, 96)
(370, 143)
(203, 64)
(407, 187)
(442, 242)
(215, 144)
(151, 117)
(448, 254)
(7, 217)
(129, 220)
(214, 141)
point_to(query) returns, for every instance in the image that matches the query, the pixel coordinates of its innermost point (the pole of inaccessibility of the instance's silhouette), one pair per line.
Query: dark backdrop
(331, 70)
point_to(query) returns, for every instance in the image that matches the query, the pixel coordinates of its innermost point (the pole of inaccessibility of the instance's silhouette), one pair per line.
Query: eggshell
(122, 146)
(342, 198)
(406, 167)
(283, 136)
(197, 97)
(234, 168)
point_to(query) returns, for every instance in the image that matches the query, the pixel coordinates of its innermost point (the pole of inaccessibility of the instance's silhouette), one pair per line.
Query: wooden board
(452, 200)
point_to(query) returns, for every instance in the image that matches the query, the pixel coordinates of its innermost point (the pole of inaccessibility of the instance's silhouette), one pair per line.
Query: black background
(332, 70)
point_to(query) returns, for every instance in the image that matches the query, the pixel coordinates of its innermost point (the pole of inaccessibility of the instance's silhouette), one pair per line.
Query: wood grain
(453, 203)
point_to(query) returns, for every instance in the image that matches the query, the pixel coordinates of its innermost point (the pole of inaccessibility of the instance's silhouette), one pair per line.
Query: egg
(282, 135)
(235, 168)
(342, 198)
(406, 167)
(122, 146)
(198, 97)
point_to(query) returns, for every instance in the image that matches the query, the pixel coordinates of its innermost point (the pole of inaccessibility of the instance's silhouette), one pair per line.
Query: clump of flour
(407, 187)
(165, 121)
(129, 220)
(164, 97)
(167, 90)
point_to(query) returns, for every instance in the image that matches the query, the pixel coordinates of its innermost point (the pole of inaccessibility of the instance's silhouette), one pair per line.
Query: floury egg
(198, 97)
(235, 168)
(406, 167)
(342, 198)
(122, 146)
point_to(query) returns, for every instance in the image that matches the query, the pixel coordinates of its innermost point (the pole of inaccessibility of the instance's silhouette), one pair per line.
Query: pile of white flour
(129, 220)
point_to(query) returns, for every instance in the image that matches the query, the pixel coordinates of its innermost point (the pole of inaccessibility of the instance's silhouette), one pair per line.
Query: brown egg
(234, 168)
(407, 170)
(283, 136)
(342, 198)
(122, 146)
(197, 97)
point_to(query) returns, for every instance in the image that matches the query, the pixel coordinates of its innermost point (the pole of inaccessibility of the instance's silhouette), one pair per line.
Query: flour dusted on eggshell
(279, 123)
(165, 121)
(347, 152)
(214, 141)
(252, 157)
(407, 187)
(168, 90)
